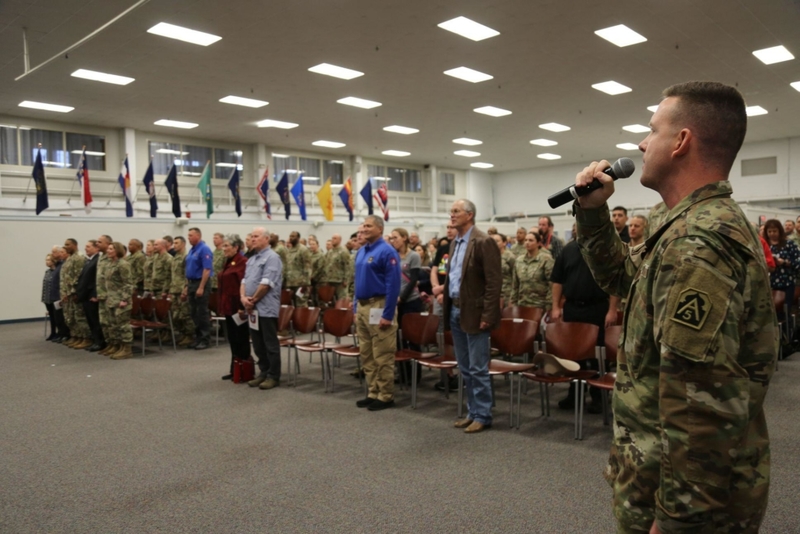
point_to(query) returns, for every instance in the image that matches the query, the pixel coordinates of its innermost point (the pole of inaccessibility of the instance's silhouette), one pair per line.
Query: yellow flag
(325, 197)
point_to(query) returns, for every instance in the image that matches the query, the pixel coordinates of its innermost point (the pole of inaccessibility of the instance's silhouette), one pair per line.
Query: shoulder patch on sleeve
(692, 308)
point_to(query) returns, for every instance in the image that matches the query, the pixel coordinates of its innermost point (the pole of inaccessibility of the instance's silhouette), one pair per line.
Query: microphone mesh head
(623, 167)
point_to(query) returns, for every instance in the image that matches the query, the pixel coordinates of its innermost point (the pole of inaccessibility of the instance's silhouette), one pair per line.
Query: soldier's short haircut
(642, 218)
(377, 221)
(107, 238)
(355, 234)
(72, 241)
(94, 243)
(152, 241)
(167, 238)
(181, 239)
(622, 209)
(138, 243)
(233, 240)
(715, 113)
(219, 235)
(119, 248)
(504, 237)
(196, 230)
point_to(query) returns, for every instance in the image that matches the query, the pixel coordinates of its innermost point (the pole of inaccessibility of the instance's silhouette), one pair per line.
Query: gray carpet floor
(160, 444)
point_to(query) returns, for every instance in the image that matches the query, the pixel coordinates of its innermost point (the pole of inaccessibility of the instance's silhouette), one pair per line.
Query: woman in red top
(228, 301)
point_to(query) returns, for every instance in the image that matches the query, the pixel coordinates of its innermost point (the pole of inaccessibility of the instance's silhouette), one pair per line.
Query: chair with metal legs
(513, 337)
(336, 322)
(607, 356)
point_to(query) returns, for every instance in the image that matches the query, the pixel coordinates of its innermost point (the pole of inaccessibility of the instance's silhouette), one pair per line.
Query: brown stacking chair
(216, 318)
(607, 355)
(444, 361)
(522, 312)
(569, 341)
(343, 303)
(326, 296)
(513, 337)
(156, 317)
(337, 322)
(287, 297)
(352, 351)
(304, 321)
(419, 329)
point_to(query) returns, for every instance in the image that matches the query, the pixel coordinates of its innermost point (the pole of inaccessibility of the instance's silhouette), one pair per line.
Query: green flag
(204, 185)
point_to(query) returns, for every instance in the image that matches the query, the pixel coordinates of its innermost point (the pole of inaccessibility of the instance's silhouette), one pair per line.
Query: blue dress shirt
(456, 263)
(378, 274)
(265, 268)
(199, 259)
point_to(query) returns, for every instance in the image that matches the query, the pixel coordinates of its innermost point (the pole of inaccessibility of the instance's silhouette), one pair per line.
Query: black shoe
(193, 344)
(227, 377)
(96, 347)
(201, 346)
(566, 404)
(363, 403)
(452, 384)
(376, 405)
(595, 407)
(59, 340)
(51, 337)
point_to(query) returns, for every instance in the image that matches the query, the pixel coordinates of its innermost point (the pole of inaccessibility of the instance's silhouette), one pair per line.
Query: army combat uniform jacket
(507, 259)
(696, 356)
(531, 285)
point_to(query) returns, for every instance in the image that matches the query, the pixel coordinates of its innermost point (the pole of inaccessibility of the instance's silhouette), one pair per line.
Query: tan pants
(377, 347)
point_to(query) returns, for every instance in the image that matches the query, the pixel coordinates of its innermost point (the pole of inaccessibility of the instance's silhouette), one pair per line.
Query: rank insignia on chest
(369, 260)
(692, 308)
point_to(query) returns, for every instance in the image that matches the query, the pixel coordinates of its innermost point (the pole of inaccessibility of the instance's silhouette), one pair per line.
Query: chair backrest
(612, 335)
(147, 307)
(571, 341)
(304, 320)
(343, 303)
(286, 296)
(136, 308)
(162, 309)
(515, 336)
(420, 328)
(338, 322)
(520, 312)
(285, 317)
(213, 301)
(326, 293)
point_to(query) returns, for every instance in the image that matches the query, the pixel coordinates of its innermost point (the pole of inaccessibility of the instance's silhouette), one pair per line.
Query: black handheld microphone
(622, 168)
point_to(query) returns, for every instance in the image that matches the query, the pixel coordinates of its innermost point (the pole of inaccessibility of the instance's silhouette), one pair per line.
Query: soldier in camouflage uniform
(137, 259)
(162, 270)
(119, 291)
(298, 270)
(337, 267)
(507, 260)
(181, 316)
(531, 285)
(317, 266)
(102, 268)
(74, 315)
(690, 450)
(518, 248)
(218, 259)
(147, 269)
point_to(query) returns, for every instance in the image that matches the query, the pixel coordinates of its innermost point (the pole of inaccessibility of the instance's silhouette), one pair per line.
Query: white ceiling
(544, 62)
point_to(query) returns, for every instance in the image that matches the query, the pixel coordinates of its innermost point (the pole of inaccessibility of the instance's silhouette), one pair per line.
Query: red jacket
(768, 254)
(228, 282)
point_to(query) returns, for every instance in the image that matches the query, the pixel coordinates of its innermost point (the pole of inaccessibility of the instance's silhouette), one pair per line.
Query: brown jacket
(481, 281)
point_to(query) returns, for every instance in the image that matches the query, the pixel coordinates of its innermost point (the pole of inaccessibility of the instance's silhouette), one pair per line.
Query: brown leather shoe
(84, 343)
(462, 423)
(123, 353)
(476, 427)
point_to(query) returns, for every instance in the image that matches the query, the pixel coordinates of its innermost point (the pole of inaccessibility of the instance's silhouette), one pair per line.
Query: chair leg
(511, 401)
(541, 397)
(519, 399)
(579, 402)
(460, 395)
(414, 385)
(604, 396)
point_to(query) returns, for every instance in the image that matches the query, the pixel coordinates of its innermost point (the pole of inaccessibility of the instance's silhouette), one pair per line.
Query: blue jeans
(473, 355)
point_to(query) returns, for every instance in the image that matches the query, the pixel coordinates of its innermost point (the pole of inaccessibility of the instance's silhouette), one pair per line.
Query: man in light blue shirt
(261, 296)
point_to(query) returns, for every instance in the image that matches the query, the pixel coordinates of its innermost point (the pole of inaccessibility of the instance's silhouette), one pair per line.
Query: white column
(129, 143)
(433, 173)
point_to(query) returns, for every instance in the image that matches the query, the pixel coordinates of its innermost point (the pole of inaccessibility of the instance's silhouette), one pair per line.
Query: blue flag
(346, 194)
(41, 184)
(299, 195)
(150, 187)
(125, 184)
(172, 187)
(233, 185)
(283, 191)
(366, 194)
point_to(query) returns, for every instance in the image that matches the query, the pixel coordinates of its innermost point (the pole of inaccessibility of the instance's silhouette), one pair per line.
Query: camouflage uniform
(102, 272)
(518, 249)
(298, 273)
(281, 251)
(74, 315)
(696, 355)
(119, 287)
(507, 259)
(336, 270)
(531, 285)
(162, 274)
(137, 261)
(351, 277)
(655, 218)
(147, 272)
(218, 263)
(181, 317)
(317, 266)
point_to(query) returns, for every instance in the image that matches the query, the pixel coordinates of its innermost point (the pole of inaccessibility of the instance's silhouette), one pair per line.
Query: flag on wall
(299, 195)
(325, 196)
(204, 185)
(83, 183)
(172, 187)
(233, 185)
(150, 187)
(346, 194)
(382, 198)
(366, 194)
(283, 191)
(263, 191)
(41, 184)
(125, 184)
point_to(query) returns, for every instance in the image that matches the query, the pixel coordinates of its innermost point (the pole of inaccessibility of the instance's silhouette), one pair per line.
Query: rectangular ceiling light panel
(636, 128)
(358, 102)
(45, 107)
(544, 142)
(405, 130)
(467, 141)
(241, 101)
(337, 72)
(101, 77)
(776, 54)
(547, 155)
(467, 153)
(396, 153)
(183, 34)
(611, 88)
(554, 127)
(754, 111)
(328, 144)
(628, 146)
(468, 75)
(269, 123)
(492, 111)
(481, 165)
(620, 35)
(468, 28)
(176, 124)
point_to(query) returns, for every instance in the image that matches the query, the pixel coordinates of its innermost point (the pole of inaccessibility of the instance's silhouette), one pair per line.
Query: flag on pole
(325, 196)
(283, 190)
(346, 194)
(299, 195)
(204, 185)
(366, 194)
(172, 187)
(233, 185)
(382, 198)
(83, 183)
(125, 184)
(150, 187)
(263, 191)
(41, 184)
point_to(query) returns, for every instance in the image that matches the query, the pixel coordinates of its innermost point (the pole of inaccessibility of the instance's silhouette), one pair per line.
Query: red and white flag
(83, 182)
(382, 198)
(263, 191)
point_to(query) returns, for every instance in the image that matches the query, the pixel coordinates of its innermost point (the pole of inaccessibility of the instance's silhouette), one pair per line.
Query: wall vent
(760, 166)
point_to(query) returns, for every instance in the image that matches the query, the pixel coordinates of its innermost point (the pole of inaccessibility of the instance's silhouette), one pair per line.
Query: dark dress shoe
(95, 347)
(201, 346)
(380, 405)
(227, 377)
(51, 337)
(193, 344)
(363, 403)
(452, 384)
(59, 340)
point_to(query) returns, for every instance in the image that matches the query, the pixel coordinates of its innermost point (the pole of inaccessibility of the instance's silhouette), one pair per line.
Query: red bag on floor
(243, 370)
